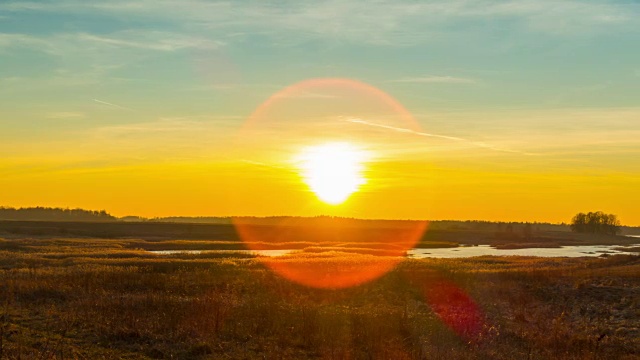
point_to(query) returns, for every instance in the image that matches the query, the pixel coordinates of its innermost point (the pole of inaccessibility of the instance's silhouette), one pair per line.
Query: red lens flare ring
(334, 252)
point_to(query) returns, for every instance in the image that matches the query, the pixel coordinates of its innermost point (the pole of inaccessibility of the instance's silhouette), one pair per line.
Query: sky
(510, 110)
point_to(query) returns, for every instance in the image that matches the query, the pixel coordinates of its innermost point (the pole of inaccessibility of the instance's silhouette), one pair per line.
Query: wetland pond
(455, 252)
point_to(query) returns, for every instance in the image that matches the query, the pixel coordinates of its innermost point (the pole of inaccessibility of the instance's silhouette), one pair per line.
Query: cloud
(21, 40)
(190, 125)
(80, 77)
(64, 44)
(452, 138)
(269, 88)
(305, 95)
(154, 40)
(65, 115)
(437, 79)
(386, 22)
(544, 131)
(161, 126)
(191, 137)
(112, 105)
(569, 17)
(85, 59)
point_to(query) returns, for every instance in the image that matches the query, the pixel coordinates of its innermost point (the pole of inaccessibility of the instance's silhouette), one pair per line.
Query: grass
(325, 232)
(64, 298)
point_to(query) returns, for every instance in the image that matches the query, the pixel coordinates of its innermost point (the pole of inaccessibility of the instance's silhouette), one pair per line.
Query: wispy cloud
(21, 40)
(65, 115)
(306, 95)
(436, 79)
(425, 134)
(82, 58)
(244, 87)
(386, 22)
(190, 137)
(171, 125)
(79, 42)
(544, 131)
(112, 105)
(154, 40)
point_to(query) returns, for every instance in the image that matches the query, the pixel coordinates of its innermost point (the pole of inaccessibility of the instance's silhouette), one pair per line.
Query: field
(65, 297)
(321, 231)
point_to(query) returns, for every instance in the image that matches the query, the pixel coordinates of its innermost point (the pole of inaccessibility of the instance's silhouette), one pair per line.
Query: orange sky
(173, 167)
(409, 189)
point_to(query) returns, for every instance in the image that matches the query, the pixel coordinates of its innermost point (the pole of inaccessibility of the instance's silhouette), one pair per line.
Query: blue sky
(197, 59)
(431, 55)
(89, 83)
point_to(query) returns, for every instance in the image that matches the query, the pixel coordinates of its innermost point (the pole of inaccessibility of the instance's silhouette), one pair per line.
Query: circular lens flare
(317, 130)
(332, 171)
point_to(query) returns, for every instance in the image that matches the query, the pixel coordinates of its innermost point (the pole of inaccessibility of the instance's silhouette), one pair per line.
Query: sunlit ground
(103, 298)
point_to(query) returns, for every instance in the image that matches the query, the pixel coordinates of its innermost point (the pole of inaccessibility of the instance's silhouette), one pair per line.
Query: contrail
(114, 105)
(359, 121)
(419, 133)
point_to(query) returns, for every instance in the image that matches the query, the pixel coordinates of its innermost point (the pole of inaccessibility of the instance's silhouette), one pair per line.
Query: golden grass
(93, 298)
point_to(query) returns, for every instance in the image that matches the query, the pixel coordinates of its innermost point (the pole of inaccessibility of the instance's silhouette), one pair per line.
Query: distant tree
(54, 214)
(595, 223)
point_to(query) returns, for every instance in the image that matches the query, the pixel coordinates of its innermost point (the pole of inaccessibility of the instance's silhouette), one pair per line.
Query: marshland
(90, 297)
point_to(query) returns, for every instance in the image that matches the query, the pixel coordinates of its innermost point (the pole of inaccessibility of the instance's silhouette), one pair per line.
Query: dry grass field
(66, 298)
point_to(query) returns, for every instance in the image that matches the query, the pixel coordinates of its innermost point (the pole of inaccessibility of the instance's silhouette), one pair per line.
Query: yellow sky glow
(431, 169)
(228, 189)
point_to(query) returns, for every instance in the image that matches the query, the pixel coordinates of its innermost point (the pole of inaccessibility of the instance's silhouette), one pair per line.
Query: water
(459, 252)
(251, 252)
(564, 251)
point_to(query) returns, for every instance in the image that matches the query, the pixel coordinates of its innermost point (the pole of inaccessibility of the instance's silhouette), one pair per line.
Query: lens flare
(304, 139)
(451, 304)
(324, 260)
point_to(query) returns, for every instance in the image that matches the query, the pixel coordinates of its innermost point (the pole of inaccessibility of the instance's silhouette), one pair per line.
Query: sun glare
(333, 171)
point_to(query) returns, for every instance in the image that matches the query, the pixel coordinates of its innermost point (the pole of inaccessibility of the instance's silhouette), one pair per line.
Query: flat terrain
(297, 233)
(92, 298)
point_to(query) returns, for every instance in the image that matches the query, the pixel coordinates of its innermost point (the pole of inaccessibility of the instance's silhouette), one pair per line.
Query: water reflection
(564, 251)
(459, 252)
(251, 252)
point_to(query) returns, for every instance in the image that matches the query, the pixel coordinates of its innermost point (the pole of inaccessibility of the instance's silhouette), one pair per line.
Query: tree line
(53, 214)
(595, 223)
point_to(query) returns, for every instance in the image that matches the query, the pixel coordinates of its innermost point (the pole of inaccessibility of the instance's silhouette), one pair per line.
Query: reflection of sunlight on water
(334, 269)
(250, 252)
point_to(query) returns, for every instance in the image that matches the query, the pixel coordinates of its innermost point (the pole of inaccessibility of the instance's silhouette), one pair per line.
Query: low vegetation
(63, 298)
(54, 214)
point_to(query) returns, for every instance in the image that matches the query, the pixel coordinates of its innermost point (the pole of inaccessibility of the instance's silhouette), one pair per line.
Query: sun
(333, 171)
